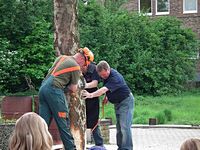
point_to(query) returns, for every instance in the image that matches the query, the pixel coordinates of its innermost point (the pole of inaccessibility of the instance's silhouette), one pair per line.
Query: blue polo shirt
(118, 89)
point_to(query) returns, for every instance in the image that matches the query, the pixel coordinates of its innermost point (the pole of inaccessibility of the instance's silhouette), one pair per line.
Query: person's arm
(91, 84)
(73, 87)
(97, 93)
(75, 77)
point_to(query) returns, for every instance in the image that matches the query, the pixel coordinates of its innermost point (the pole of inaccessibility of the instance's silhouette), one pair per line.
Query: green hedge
(154, 55)
(26, 44)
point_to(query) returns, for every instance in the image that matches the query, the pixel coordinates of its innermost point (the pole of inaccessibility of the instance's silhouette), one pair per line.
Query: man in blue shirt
(118, 93)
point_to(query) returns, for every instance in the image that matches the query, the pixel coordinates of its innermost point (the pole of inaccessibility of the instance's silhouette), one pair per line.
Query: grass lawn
(181, 109)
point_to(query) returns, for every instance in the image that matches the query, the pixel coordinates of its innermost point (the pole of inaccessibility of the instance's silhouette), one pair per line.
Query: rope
(99, 120)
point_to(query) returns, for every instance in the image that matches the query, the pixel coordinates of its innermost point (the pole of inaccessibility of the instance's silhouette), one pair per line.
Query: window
(162, 7)
(145, 6)
(189, 6)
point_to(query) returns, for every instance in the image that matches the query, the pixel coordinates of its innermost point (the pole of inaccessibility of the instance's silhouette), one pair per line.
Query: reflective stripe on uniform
(70, 69)
(62, 114)
(66, 70)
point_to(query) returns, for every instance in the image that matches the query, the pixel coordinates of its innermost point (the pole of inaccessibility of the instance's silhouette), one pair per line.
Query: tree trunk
(66, 42)
(78, 120)
(65, 24)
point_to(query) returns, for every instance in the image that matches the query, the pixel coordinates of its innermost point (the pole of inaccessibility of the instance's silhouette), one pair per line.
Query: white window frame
(149, 14)
(162, 13)
(189, 11)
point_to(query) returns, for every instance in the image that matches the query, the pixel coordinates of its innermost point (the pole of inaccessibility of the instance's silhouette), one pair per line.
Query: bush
(140, 120)
(26, 44)
(10, 66)
(25, 68)
(161, 117)
(154, 55)
(168, 114)
(37, 54)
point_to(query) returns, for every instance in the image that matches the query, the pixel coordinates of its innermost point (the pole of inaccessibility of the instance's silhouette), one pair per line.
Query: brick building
(186, 10)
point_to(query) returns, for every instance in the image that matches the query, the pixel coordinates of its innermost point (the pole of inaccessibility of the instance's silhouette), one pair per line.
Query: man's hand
(72, 88)
(85, 94)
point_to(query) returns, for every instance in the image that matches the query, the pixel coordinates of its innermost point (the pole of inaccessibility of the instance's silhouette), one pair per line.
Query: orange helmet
(89, 56)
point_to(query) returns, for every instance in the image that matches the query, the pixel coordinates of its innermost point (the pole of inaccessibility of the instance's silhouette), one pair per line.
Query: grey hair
(102, 65)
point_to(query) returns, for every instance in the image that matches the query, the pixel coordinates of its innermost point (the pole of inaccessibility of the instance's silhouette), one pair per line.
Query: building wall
(191, 20)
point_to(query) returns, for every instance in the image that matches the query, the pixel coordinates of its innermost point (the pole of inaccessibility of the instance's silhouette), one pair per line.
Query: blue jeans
(124, 115)
(97, 137)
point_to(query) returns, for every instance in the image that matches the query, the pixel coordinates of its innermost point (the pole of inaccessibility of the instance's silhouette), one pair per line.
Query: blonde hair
(30, 133)
(191, 144)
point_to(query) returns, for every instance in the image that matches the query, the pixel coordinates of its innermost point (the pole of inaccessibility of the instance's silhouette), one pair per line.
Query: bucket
(14, 107)
(152, 121)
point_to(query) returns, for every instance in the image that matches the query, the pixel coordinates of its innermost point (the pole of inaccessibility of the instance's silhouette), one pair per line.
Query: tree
(26, 38)
(66, 42)
(65, 20)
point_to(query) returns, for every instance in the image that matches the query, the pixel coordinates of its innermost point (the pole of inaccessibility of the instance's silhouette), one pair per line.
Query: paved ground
(158, 137)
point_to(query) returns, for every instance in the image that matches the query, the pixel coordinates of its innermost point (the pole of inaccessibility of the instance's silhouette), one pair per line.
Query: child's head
(191, 144)
(30, 133)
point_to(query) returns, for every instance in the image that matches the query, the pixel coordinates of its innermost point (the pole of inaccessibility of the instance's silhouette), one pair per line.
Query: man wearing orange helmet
(64, 73)
(92, 105)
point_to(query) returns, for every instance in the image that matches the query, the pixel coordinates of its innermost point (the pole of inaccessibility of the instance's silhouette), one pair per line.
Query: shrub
(168, 114)
(140, 120)
(26, 44)
(9, 66)
(154, 55)
(161, 117)
(37, 54)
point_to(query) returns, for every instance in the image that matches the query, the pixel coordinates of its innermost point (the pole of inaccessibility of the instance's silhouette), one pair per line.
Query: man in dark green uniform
(64, 73)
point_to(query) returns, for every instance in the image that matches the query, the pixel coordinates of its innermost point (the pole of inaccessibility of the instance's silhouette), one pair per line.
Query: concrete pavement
(156, 137)
(153, 137)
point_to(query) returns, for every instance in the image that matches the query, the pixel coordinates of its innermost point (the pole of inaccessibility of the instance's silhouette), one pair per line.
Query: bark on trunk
(66, 42)
(78, 120)
(65, 23)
